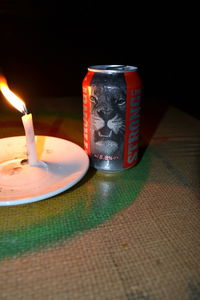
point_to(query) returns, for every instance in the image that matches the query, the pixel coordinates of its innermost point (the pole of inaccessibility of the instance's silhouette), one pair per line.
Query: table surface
(130, 235)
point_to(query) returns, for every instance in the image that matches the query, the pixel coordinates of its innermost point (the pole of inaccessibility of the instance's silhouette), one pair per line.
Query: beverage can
(111, 116)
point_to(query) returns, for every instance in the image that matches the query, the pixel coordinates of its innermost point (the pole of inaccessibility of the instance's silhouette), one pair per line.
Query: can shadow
(152, 113)
(69, 169)
(88, 176)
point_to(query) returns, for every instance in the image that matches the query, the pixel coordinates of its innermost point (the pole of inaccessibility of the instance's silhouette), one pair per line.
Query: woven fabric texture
(132, 235)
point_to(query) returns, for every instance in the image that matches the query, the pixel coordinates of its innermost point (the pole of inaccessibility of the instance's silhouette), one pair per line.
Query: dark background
(45, 48)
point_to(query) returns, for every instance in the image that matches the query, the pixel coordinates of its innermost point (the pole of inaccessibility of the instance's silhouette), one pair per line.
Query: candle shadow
(152, 113)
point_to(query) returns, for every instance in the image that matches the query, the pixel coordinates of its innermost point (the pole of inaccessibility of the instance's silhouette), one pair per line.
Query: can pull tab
(118, 67)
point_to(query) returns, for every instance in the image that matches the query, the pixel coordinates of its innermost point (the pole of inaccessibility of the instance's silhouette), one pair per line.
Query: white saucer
(62, 165)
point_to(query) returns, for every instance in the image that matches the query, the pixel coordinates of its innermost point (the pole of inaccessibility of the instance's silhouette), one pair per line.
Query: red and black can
(111, 113)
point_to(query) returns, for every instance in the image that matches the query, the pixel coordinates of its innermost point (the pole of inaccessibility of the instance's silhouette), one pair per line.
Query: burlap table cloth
(131, 235)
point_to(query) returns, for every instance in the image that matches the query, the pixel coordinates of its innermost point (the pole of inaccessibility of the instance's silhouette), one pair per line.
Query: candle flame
(11, 97)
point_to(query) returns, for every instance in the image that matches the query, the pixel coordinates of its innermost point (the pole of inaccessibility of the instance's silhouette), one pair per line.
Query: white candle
(30, 139)
(26, 119)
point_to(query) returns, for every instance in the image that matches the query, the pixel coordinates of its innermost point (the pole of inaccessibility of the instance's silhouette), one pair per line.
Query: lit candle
(26, 120)
(30, 139)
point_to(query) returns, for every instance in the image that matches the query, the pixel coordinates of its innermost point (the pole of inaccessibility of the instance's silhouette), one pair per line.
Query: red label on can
(86, 112)
(111, 104)
(133, 97)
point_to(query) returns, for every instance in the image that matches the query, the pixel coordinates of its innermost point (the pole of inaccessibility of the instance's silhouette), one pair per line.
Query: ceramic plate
(61, 165)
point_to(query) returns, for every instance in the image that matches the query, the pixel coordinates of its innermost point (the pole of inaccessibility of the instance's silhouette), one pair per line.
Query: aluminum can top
(111, 69)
